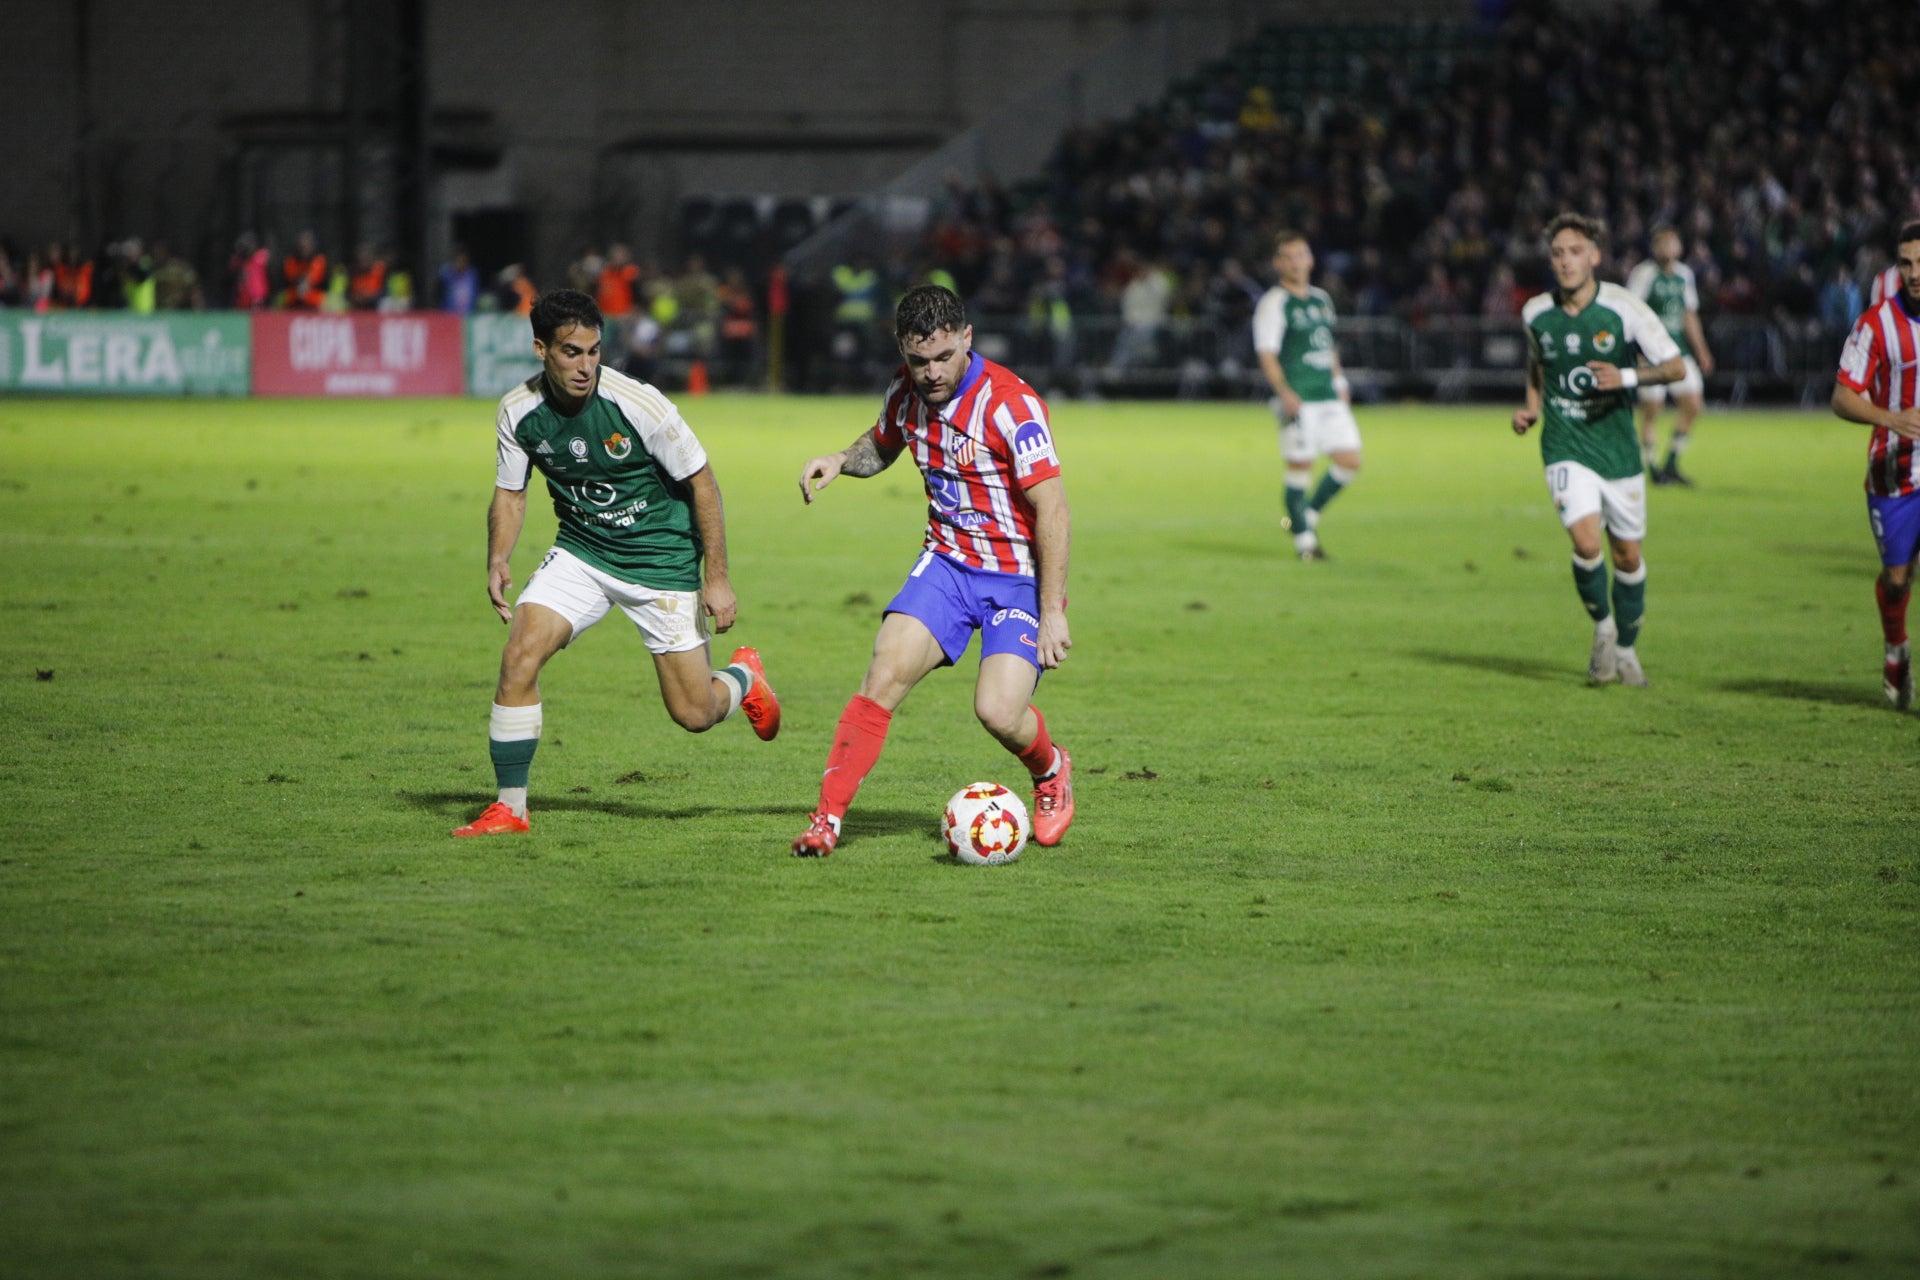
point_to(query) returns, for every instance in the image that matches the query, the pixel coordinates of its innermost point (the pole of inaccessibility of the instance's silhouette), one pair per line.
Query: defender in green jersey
(1590, 345)
(1666, 284)
(1293, 338)
(640, 528)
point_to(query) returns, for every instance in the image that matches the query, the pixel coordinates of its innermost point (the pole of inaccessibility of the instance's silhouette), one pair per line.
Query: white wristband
(1341, 384)
(1629, 379)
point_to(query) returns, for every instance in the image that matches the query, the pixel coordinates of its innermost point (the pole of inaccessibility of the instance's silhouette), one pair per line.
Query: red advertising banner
(409, 354)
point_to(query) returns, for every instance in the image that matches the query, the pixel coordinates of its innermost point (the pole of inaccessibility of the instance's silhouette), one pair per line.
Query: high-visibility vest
(306, 280)
(857, 290)
(365, 289)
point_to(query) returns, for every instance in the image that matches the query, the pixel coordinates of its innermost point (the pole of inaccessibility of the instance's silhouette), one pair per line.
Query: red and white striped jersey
(1881, 361)
(979, 453)
(1885, 285)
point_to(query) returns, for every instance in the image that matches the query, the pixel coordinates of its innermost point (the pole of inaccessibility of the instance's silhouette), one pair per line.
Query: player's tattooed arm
(864, 457)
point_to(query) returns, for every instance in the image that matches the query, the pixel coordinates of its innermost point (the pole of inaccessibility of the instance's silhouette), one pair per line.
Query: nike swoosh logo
(1028, 641)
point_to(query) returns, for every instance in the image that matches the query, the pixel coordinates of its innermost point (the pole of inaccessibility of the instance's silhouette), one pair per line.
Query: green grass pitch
(1382, 947)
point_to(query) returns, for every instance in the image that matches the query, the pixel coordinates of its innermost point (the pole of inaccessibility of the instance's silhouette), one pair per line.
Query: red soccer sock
(1893, 611)
(856, 748)
(1039, 756)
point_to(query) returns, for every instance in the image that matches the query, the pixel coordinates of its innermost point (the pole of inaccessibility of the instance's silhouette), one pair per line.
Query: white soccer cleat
(1603, 667)
(1627, 663)
(1896, 680)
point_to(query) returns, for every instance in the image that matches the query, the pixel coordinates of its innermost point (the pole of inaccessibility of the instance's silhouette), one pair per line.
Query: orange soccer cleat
(497, 820)
(762, 708)
(818, 840)
(1053, 804)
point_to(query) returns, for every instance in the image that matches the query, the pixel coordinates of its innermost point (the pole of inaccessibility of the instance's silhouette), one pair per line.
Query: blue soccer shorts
(954, 601)
(1896, 527)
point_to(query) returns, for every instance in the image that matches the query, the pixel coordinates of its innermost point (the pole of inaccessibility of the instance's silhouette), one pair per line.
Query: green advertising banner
(198, 353)
(499, 353)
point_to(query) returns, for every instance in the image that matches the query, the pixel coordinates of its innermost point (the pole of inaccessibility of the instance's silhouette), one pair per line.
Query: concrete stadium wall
(125, 116)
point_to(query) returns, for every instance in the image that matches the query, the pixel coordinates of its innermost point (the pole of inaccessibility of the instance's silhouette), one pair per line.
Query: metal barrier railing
(1456, 358)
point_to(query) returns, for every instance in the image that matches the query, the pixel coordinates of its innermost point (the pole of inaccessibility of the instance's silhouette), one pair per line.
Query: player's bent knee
(1000, 717)
(520, 668)
(694, 719)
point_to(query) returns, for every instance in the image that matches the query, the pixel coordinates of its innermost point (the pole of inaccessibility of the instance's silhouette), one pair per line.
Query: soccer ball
(985, 824)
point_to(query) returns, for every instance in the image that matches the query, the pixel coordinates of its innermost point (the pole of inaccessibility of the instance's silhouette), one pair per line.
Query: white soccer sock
(513, 724)
(1051, 768)
(1342, 476)
(510, 724)
(737, 680)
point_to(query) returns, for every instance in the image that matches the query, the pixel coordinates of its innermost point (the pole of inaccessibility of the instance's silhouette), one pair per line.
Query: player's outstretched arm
(1052, 538)
(864, 457)
(505, 515)
(709, 517)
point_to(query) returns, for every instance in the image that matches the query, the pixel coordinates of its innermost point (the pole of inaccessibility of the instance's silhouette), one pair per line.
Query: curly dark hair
(927, 309)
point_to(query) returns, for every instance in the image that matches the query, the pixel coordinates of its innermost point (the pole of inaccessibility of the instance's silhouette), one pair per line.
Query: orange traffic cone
(697, 378)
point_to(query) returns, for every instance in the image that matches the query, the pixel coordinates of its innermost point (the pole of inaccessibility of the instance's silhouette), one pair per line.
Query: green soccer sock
(1297, 508)
(738, 681)
(1630, 603)
(513, 734)
(1336, 479)
(1590, 580)
(1676, 447)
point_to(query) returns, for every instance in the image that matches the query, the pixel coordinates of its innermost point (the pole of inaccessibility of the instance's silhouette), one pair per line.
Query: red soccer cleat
(762, 708)
(1053, 804)
(818, 840)
(497, 820)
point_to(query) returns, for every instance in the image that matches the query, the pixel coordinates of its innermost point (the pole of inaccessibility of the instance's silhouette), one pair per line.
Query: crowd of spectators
(1778, 136)
(663, 322)
(657, 320)
(131, 275)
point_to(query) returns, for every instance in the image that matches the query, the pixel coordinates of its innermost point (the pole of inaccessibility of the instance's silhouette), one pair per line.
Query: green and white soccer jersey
(616, 471)
(1579, 422)
(1299, 332)
(1671, 294)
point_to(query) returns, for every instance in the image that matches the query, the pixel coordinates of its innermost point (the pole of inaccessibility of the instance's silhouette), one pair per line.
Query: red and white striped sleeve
(1864, 358)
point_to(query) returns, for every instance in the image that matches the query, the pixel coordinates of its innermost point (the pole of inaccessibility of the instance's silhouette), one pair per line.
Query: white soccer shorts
(1580, 491)
(668, 621)
(1692, 384)
(1321, 427)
